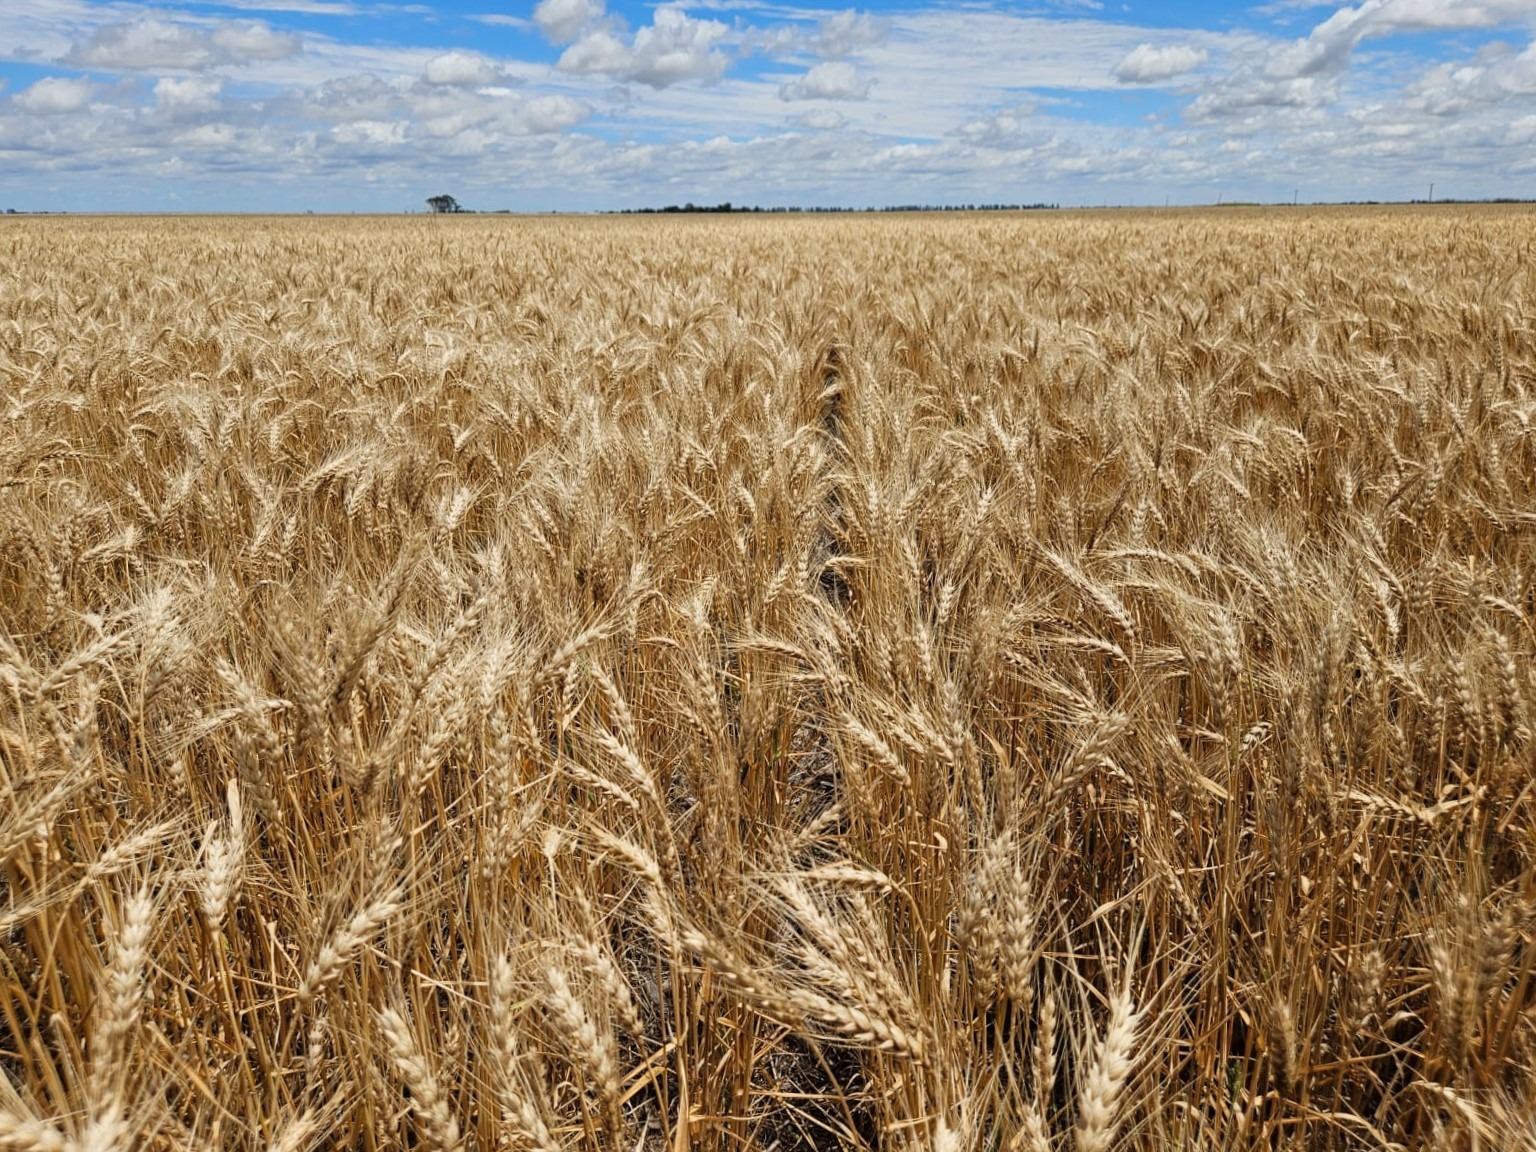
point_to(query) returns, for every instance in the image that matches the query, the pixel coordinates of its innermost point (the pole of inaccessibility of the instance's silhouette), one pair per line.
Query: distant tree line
(727, 206)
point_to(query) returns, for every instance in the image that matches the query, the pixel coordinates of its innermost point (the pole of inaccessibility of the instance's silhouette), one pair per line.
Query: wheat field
(995, 683)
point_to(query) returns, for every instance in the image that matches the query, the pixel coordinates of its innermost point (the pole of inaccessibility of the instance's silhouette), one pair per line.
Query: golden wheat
(749, 683)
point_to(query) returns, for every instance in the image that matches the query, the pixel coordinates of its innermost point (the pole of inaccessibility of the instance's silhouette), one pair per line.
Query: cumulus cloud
(209, 138)
(1149, 64)
(194, 94)
(463, 69)
(1012, 127)
(677, 47)
(461, 119)
(1306, 74)
(832, 80)
(144, 43)
(152, 43)
(249, 41)
(371, 135)
(448, 123)
(471, 121)
(545, 114)
(1249, 90)
(940, 115)
(563, 20)
(596, 53)
(674, 48)
(358, 97)
(55, 95)
(1497, 76)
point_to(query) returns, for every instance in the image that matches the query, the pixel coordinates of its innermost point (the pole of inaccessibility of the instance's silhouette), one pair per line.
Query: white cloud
(1498, 76)
(1149, 63)
(152, 43)
(820, 120)
(929, 103)
(249, 41)
(835, 36)
(677, 47)
(210, 138)
(362, 96)
(144, 43)
(1435, 15)
(1016, 126)
(194, 94)
(1249, 89)
(371, 134)
(832, 80)
(1326, 50)
(308, 7)
(462, 69)
(431, 119)
(1310, 74)
(472, 120)
(500, 20)
(674, 48)
(55, 95)
(563, 20)
(552, 114)
(844, 33)
(596, 52)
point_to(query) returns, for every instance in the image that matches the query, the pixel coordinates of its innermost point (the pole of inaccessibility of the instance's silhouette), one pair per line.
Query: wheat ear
(19, 1135)
(519, 1106)
(438, 1127)
(1099, 1098)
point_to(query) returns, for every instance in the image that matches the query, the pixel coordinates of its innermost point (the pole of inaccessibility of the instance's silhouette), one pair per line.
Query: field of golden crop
(968, 684)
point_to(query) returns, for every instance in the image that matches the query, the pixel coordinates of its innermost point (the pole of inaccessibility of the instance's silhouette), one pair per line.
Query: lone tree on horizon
(443, 204)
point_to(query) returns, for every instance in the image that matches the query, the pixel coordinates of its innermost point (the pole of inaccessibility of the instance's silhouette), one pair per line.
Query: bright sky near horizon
(351, 105)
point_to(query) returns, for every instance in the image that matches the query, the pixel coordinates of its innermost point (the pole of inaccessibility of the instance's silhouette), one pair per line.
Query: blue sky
(350, 105)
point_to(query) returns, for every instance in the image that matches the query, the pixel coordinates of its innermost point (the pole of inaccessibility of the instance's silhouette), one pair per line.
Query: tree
(443, 204)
